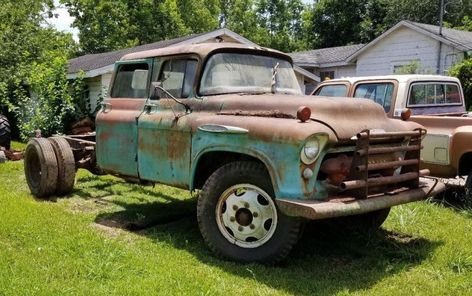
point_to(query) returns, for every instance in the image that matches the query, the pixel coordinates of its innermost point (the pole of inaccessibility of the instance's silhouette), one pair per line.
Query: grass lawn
(112, 238)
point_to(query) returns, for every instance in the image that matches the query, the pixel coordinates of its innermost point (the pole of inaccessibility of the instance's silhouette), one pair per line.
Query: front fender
(282, 160)
(461, 143)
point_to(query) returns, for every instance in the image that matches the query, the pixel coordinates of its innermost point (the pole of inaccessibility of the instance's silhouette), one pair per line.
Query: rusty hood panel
(345, 117)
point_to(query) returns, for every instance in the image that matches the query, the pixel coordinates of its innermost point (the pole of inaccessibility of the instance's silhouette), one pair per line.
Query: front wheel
(238, 217)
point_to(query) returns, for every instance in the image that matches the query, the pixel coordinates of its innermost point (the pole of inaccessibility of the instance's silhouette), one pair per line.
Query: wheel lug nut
(246, 205)
(240, 228)
(255, 214)
(232, 219)
(235, 207)
(252, 226)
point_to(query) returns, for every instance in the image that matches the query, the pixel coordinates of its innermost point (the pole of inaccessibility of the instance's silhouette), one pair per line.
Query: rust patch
(273, 113)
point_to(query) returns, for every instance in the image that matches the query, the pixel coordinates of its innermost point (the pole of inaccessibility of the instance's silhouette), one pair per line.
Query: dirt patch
(109, 231)
(400, 237)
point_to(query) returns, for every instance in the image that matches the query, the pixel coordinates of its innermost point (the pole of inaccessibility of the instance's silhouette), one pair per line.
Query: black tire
(40, 167)
(65, 165)
(252, 178)
(5, 132)
(468, 191)
(367, 222)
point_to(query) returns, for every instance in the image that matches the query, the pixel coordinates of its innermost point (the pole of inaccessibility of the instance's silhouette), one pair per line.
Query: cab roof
(201, 49)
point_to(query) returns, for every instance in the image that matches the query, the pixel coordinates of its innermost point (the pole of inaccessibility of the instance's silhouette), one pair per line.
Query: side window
(131, 81)
(178, 77)
(335, 90)
(434, 94)
(381, 93)
(453, 96)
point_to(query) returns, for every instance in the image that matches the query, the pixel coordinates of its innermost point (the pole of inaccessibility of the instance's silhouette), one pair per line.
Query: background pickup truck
(436, 102)
(230, 122)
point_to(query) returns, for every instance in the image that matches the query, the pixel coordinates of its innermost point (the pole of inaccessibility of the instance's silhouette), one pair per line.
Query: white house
(405, 43)
(98, 67)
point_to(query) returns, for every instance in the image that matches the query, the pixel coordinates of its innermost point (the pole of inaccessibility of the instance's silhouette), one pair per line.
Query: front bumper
(316, 210)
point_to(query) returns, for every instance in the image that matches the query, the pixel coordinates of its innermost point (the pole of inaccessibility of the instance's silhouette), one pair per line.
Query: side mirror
(155, 90)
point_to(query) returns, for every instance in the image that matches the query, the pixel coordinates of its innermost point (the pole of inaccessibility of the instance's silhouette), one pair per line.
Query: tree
(343, 22)
(422, 11)
(33, 59)
(200, 15)
(281, 20)
(279, 24)
(463, 71)
(241, 17)
(465, 25)
(111, 25)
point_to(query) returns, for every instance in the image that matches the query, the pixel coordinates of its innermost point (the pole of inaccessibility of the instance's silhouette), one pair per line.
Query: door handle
(150, 108)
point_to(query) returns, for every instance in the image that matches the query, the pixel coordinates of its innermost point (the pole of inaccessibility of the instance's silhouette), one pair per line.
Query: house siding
(402, 47)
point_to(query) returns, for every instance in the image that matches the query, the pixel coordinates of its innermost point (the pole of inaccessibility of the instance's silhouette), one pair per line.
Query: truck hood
(344, 116)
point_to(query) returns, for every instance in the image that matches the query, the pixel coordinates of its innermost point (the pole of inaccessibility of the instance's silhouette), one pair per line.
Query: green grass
(112, 238)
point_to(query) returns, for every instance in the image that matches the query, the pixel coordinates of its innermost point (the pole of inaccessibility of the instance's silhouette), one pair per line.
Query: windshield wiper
(273, 83)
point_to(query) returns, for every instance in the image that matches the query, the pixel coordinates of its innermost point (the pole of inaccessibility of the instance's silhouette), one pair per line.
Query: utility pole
(441, 15)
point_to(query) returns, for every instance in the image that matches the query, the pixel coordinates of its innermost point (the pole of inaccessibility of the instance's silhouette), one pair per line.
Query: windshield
(246, 73)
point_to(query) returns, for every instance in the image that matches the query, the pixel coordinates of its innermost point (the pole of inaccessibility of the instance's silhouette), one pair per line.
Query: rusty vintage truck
(230, 122)
(434, 101)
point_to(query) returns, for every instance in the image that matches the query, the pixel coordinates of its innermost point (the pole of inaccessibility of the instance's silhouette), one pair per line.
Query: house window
(326, 75)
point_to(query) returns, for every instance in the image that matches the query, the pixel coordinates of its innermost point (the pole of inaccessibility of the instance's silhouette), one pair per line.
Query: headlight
(310, 151)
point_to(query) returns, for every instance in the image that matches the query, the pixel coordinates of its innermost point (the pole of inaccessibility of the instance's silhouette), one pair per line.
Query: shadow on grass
(326, 260)
(455, 198)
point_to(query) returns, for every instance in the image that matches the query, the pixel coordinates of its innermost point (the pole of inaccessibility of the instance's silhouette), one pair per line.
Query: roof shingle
(318, 57)
(95, 61)
(458, 37)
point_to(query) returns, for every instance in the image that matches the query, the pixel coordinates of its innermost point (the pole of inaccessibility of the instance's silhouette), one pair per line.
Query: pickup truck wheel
(468, 190)
(5, 132)
(65, 165)
(40, 167)
(238, 218)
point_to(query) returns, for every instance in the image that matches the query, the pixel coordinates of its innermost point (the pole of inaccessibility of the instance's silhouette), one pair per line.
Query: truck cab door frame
(164, 130)
(116, 122)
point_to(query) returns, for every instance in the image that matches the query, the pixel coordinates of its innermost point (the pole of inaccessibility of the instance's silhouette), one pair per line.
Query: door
(116, 123)
(164, 127)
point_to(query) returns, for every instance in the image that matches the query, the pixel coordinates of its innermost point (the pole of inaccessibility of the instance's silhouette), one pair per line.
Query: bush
(463, 71)
(48, 102)
(34, 90)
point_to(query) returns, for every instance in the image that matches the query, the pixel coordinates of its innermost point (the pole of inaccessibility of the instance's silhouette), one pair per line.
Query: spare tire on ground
(5, 132)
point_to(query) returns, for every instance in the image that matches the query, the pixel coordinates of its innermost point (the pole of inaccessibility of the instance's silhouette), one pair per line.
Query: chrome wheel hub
(246, 215)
